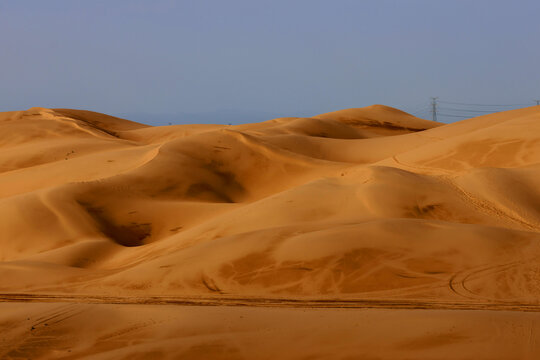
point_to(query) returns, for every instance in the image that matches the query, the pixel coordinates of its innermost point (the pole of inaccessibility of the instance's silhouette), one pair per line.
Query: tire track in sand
(275, 302)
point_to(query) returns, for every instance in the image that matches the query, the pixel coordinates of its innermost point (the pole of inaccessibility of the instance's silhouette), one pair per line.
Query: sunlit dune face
(367, 207)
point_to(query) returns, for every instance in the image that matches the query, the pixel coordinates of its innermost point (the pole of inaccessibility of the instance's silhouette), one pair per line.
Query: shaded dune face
(358, 203)
(132, 234)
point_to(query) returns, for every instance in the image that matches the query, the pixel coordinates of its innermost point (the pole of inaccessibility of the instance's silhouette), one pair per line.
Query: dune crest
(368, 203)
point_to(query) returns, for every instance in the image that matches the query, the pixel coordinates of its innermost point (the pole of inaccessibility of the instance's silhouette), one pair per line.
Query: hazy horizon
(164, 59)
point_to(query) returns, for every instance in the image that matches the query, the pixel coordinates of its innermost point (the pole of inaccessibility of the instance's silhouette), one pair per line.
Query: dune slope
(368, 203)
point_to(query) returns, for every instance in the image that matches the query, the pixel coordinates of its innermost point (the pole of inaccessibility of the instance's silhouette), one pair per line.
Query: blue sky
(190, 61)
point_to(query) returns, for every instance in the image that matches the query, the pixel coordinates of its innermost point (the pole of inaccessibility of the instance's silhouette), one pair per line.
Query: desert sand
(363, 233)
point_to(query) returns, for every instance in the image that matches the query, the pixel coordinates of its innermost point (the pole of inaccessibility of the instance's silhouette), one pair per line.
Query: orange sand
(367, 207)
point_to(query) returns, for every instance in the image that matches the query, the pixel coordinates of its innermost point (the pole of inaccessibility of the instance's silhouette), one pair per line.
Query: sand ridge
(361, 233)
(368, 203)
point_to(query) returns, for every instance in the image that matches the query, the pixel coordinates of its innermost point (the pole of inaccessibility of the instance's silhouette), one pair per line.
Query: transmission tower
(434, 108)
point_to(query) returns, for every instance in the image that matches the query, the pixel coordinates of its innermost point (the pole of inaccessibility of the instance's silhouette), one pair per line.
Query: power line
(467, 110)
(457, 103)
(459, 116)
(471, 111)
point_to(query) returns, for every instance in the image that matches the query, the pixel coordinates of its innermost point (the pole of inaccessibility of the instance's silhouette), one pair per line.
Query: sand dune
(359, 204)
